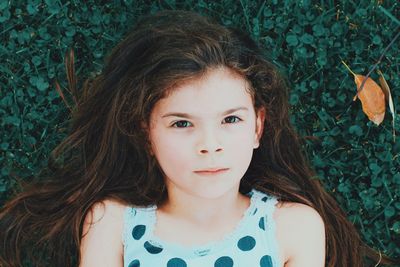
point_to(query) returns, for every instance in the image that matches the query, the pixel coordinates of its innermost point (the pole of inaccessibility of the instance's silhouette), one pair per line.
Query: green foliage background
(357, 161)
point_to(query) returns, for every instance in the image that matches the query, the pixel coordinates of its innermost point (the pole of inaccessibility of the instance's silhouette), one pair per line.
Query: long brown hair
(106, 154)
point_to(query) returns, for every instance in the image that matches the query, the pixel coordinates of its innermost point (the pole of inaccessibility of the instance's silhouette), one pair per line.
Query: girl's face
(206, 123)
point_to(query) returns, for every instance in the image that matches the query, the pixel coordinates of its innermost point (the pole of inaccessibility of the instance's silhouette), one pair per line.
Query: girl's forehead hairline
(201, 75)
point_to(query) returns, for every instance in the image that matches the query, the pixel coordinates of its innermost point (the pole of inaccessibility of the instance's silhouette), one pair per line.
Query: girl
(181, 154)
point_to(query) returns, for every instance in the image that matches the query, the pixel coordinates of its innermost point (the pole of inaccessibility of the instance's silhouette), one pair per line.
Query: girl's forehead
(216, 88)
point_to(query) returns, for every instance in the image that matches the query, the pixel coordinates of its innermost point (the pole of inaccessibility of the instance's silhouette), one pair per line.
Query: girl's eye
(184, 124)
(181, 123)
(233, 117)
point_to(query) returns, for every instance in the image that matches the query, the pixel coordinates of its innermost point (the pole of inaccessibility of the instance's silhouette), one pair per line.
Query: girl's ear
(260, 119)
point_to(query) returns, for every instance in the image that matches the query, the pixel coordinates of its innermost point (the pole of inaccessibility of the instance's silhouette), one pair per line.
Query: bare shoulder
(108, 209)
(101, 242)
(300, 234)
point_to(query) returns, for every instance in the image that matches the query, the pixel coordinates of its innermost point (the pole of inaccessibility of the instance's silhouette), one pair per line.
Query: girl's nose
(204, 151)
(209, 143)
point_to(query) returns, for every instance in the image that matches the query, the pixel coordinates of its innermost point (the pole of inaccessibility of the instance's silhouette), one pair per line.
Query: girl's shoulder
(101, 223)
(108, 211)
(300, 233)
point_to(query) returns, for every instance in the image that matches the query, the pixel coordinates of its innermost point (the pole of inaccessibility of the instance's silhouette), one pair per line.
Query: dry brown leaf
(372, 99)
(371, 96)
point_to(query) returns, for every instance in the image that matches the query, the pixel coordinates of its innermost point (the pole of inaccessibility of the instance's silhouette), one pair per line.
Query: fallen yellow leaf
(372, 99)
(371, 96)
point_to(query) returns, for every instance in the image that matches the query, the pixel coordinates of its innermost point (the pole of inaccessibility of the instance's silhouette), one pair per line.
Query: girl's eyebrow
(188, 116)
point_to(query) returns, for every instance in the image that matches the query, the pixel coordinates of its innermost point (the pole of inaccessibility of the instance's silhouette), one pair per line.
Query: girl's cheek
(176, 143)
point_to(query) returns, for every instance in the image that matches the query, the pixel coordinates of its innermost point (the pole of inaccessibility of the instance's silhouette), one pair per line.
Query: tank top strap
(265, 203)
(137, 222)
(263, 216)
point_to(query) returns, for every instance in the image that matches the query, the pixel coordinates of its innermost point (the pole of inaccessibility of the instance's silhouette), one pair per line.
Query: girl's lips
(211, 172)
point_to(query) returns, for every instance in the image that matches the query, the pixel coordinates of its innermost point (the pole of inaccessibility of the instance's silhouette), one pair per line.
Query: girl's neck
(202, 211)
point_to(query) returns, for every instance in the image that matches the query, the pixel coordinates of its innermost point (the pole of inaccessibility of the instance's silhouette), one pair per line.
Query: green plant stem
(377, 63)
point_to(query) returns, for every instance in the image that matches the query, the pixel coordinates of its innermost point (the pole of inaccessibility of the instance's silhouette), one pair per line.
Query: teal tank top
(252, 243)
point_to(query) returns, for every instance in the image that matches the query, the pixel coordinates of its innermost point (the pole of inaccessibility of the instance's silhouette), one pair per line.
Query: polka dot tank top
(252, 243)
